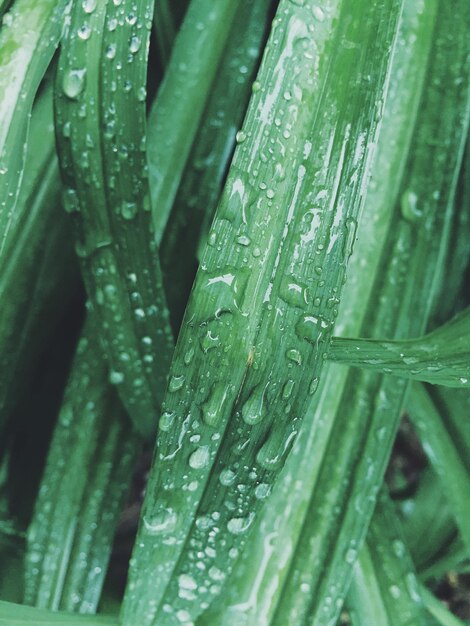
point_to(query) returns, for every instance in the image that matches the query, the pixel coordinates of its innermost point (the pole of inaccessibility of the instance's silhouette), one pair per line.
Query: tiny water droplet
(84, 32)
(89, 5)
(134, 44)
(239, 525)
(70, 201)
(111, 51)
(199, 458)
(73, 83)
(141, 94)
(410, 206)
(287, 389)
(254, 409)
(115, 377)
(227, 477)
(128, 210)
(166, 421)
(294, 355)
(294, 293)
(313, 386)
(176, 383)
(351, 556)
(161, 523)
(213, 407)
(188, 356)
(262, 491)
(243, 240)
(240, 137)
(187, 582)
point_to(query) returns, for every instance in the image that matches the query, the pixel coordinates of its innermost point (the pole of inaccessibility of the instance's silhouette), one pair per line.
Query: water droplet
(227, 477)
(287, 389)
(166, 420)
(187, 582)
(262, 491)
(199, 458)
(111, 51)
(84, 32)
(294, 293)
(89, 5)
(350, 239)
(66, 130)
(161, 523)
(129, 210)
(116, 378)
(212, 409)
(311, 328)
(395, 591)
(134, 44)
(273, 452)
(73, 83)
(243, 240)
(70, 201)
(294, 355)
(318, 13)
(410, 206)
(240, 137)
(254, 410)
(188, 356)
(176, 382)
(141, 94)
(351, 556)
(239, 525)
(313, 386)
(398, 548)
(184, 617)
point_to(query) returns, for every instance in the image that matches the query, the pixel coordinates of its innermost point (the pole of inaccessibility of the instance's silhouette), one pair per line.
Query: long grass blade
(93, 445)
(362, 440)
(443, 455)
(203, 178)
(28, 38)
(181, 98)
(282, 272)
(385, 588)
(250, 595)
(442, 357)
(101, 80)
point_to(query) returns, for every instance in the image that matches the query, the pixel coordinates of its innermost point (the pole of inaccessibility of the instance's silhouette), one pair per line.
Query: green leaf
(239, 383)
(19, 615)
(179, 105)
(89, 464)
(203, 178)
(438, 610)
(385, 588)
(338, 414)
(441, 357)
(443, 456)
(104, 168)
(28, 38)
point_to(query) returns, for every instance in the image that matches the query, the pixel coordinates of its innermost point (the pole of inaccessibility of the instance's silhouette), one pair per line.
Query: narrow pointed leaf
(443, 456)
(442, 357)
(101, 81)
(28, 38)
(272, 262)
(181, 98)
